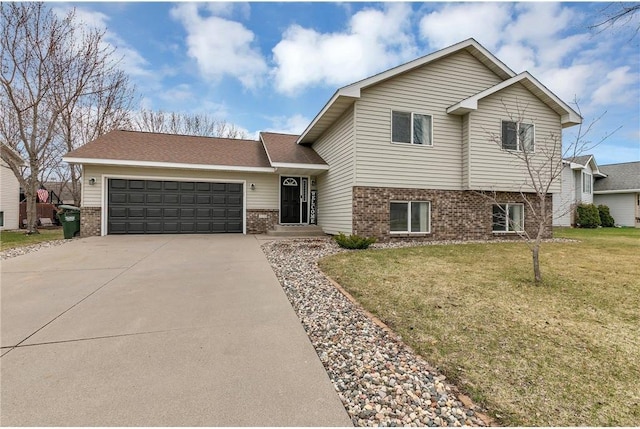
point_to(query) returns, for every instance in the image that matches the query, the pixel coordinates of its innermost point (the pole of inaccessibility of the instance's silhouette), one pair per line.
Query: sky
(267, 66)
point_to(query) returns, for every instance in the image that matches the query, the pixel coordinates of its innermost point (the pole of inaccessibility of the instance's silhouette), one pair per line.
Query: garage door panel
(136, 198)
(171, 212)
(187, 199)
(117, 212)
(154, 198)
(155, 207)
(203, 199)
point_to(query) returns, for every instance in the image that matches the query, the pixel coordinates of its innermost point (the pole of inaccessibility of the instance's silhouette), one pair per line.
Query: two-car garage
(136, 206)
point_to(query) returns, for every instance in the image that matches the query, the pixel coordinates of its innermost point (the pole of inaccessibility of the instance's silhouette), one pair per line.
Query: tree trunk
(75, 185)
(535, 251)
(31, 194)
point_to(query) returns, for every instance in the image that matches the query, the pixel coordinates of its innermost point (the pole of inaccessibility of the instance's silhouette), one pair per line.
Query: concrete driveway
(156, 331)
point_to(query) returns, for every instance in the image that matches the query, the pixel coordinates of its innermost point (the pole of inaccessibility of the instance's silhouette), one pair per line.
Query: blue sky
(272, 66)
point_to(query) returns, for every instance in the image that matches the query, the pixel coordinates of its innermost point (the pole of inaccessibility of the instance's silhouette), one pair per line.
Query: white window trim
(411, 126)
(508, 231)
(409, 218)
(589, 181)
(517, 149)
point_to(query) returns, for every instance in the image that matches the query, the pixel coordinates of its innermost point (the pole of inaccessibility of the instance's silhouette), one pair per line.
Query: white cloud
(567, 82)
(374, 40)
(456, 22)
(295, 124)
(517, 57)
(131, 61)
(537, 22)
(221, 47)
(620, 87)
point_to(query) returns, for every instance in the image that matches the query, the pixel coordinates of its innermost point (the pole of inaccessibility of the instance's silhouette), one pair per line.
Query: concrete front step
(296, 231)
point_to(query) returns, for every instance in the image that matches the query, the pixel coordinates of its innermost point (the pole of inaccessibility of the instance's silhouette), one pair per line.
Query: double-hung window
(412, 128)
(586, 183)
(517, 136)
(508, 217)
(410, 217)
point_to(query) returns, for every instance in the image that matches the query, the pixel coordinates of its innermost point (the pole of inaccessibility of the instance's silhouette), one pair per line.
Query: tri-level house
(402, 154)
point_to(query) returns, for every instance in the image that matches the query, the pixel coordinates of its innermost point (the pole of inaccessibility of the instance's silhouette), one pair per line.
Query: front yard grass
(564, 353)
(12, 239)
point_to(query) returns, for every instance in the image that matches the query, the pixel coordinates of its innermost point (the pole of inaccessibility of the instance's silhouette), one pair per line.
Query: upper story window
(517, 136)
(413, 128)
(586, 183)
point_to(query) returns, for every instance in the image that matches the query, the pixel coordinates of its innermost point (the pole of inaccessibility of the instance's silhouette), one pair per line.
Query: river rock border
(379, 379)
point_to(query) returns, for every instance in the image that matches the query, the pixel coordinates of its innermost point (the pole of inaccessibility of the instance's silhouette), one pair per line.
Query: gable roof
(344, 97)
(144, 149)
(580, 162)
(620, 177)
(283, 151)
(568, 116)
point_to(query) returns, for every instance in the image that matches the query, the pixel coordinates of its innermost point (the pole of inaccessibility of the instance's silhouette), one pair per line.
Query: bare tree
(105, 107)
(186, 123)
(543, 165)
(47, 62)
(618, 14)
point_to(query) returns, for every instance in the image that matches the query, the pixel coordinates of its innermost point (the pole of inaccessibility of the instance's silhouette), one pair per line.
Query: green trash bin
(69, 217)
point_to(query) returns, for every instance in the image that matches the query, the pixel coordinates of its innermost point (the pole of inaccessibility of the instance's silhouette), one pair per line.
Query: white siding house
(620, 190)
(577, 181)
(9, 198)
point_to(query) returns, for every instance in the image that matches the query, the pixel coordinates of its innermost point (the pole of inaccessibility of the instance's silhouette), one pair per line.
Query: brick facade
(455, 215)
(260, 221)
(90, 220)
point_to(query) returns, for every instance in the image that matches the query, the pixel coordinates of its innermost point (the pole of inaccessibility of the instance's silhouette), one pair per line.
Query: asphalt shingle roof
(170, 148)
(282, 148)
(619, 177)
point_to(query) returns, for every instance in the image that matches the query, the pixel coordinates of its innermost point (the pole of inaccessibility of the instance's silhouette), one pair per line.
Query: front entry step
(296, 231)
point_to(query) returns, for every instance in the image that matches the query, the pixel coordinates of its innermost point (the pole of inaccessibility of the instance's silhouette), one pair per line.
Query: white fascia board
(318, 116)
(569, 118)
(128, 163)
(618, 191)
(264, 146)
(300, 166)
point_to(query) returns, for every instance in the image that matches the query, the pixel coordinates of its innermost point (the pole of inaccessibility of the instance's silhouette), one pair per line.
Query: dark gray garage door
(172, 207)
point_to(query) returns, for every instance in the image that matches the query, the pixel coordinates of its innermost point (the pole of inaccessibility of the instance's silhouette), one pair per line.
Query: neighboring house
(620, 191)
(9, 192)
(402, 154)
(60, 192)
(578, 176)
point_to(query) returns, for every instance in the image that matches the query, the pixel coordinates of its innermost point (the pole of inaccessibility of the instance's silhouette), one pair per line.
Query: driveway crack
(83, 299)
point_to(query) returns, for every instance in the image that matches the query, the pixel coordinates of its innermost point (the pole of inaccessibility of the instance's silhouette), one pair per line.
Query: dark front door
(290, 200)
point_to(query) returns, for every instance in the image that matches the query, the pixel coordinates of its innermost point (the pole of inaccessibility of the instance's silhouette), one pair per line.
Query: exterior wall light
(253, 186)
(92, 181)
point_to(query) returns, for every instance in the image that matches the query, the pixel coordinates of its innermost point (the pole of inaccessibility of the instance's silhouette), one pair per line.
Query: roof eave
(618, 191)
(156, 164)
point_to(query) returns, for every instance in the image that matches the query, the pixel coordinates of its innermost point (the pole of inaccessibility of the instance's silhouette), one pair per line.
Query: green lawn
(11, 239)
(564, 353)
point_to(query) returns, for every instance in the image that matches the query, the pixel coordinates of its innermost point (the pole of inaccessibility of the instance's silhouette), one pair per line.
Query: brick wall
(260, 221)
(455, 215)
(90, 220)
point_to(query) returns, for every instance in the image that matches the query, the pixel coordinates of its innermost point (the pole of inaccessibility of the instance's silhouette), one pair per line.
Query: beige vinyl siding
(265, 196)
(563, 201)
(335, 187)
(585, 197)
(494, 168)
(426, 90)
(465, 152)
(621, 206)
(9, 197)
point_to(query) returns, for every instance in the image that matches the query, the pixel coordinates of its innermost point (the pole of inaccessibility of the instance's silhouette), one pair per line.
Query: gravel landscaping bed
(379, 379)
(17, 251)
